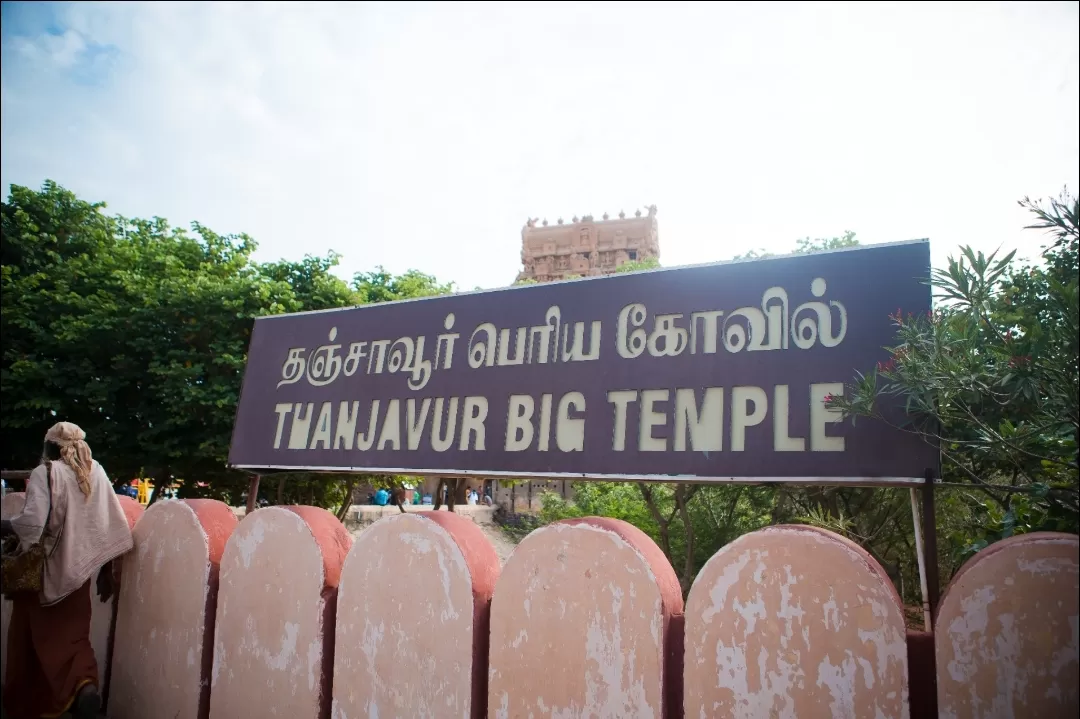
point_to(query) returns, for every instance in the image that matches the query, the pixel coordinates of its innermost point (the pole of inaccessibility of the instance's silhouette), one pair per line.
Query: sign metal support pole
(253, 494)
(930, 553)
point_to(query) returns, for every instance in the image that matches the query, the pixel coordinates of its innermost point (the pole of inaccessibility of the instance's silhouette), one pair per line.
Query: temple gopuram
(586, 247)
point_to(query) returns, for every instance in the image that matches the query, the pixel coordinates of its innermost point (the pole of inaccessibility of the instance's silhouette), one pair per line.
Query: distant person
(72, 511)
(382, 497)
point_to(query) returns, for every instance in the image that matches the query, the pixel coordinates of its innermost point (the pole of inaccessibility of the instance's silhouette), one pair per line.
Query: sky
(423, 135)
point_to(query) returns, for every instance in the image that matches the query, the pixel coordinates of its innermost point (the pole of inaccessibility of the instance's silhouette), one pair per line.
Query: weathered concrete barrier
(586, 620)
(361, 516)
(412, 623)
(163, 646)
(11, 504)
(1008, 631)
(794, 621)
(103, 614)
(581, 621)
(273, 651)
(364, 515)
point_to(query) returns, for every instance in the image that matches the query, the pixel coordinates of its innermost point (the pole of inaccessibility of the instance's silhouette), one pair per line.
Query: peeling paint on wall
(169, 581)
(275, 616)
(412, 618)
(102, 613)
(1008, 636)
(793, 622)
(578, 625)
(586, 622)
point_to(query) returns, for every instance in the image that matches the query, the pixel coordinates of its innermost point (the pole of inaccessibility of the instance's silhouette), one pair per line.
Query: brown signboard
(716, 372)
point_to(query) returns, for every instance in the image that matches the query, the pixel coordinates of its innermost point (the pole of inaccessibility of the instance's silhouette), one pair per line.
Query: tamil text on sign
(712, 372)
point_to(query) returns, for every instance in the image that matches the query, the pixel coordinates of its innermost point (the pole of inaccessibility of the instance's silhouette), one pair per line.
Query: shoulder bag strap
(48, 485)
(48, 516)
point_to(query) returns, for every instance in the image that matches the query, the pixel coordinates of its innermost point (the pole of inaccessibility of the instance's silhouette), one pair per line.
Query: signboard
(716, 372)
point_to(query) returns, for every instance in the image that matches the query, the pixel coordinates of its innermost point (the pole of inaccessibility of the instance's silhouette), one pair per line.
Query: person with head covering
(72, 511)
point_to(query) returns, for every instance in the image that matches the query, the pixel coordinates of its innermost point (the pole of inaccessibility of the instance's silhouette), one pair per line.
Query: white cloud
(424, 135)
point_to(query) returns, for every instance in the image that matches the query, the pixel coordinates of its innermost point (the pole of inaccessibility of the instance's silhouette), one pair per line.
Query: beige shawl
(83, 533)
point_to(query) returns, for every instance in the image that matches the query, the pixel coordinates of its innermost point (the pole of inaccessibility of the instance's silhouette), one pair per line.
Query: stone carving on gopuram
(586, 247)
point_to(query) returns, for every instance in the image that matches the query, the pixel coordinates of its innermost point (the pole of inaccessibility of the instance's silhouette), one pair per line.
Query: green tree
(689, 522)
(131, 328)
(648, 263)
(382, 286)
(312, 281)
(807, 246)
(138, 332)
(991, 377)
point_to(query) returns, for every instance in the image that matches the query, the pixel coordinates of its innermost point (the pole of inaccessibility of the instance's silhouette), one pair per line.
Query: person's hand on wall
(105, 584)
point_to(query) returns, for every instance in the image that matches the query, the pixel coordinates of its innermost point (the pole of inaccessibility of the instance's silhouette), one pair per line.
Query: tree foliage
(689, 522)
(991, 376)
(381, 286)
(808, 245)
(649, 263)
(138, 332)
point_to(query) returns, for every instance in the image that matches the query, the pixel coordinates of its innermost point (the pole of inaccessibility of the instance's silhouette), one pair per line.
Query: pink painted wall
(580, 624)
(103, 614)
(412, 622)
(273, 647)
(1008, 631)
(586, 619)
(168, 600)
(794, 621)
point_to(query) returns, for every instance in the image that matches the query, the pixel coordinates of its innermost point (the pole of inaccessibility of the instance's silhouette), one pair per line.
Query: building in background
(586, 247)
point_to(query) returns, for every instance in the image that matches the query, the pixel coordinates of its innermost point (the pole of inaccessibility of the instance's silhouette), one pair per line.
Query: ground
(503, 544)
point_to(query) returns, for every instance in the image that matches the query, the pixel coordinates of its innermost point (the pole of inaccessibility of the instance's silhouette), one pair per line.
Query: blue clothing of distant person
(382, 498)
